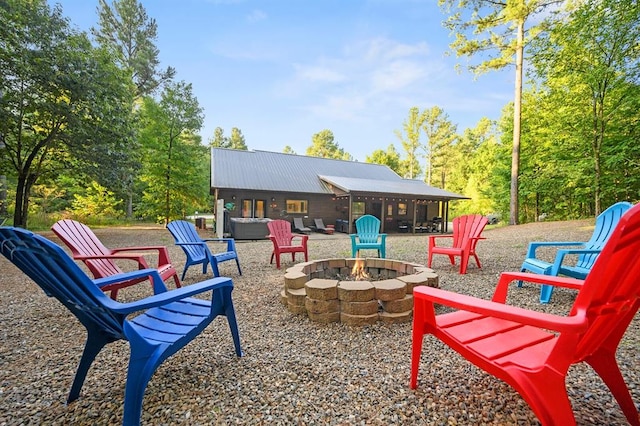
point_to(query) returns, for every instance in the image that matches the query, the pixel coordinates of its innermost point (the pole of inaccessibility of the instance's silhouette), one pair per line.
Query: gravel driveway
(294, 371)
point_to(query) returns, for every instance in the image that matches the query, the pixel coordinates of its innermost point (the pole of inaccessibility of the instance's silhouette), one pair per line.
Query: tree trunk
(517, 114)
(23, 188)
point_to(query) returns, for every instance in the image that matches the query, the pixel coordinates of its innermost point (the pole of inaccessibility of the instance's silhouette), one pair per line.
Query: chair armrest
(561, 254)
(231, 242)
(192, 243)
(506, 278)
(142, 263)
(169, 296)
(575, 323)
(141, 248)
(152, 274)
(163, 254)
(531, 251)
(432, 239)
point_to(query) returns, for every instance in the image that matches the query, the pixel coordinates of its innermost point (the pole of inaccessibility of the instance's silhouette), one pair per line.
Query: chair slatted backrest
(611, 292)
(298, 223)
(467, 227)
(605, 225)
(83, 242)
(319, 224)
(60, 277)
(186, 232)
(368, 229)
(281, 231)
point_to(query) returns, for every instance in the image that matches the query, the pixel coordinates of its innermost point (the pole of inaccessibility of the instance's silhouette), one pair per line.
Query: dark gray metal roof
(280, 172)
(411, 187)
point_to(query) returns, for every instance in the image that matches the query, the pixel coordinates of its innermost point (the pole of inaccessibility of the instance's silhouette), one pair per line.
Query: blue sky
(283, 70)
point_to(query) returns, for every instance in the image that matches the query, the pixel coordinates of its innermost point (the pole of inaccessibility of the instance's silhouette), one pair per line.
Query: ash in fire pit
(353, 290)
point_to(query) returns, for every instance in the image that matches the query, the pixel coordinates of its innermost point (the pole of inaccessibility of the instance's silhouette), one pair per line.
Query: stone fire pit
(327, 290)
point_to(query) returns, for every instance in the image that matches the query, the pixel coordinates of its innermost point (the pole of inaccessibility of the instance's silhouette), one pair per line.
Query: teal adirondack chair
(197, 249)
(586, 253)
(164, 324)
(368, 236)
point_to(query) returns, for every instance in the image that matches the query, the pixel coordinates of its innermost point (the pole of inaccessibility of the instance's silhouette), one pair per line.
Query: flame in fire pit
(358, 272)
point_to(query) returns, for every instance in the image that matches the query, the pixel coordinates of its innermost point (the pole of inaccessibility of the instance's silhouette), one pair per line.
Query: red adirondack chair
(282, 238)
(100, 260)
(532, 351)
(466, 234)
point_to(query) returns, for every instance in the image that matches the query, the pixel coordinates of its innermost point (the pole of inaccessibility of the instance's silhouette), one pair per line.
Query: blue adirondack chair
(368, 236)
(586, 253)
(196, 249)
(165, 322)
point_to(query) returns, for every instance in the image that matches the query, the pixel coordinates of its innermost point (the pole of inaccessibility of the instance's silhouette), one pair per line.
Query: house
(262, 184)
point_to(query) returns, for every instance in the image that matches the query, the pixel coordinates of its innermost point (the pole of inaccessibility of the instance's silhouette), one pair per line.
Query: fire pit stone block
(312, 288)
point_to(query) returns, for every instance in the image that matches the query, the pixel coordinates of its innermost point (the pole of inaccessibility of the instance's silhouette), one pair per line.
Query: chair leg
(214, 268)
(475, 256)
(238, 264)
(184, 271)
(114, 294)
(141, 368)
(546, 394)
(545, 293)
(604, 363)
(95, 342)
(227, 310)
(176, 280)
(464, 262)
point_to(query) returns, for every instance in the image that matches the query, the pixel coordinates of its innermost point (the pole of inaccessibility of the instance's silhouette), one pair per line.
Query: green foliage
(473, 161)
(440, 133)
(588, 64)
(130, 35)
(235, 141)
(175, 165)
(410, 140)
(323, 145)
(60, 96)
(98, 202)
(390, 158)
(495, 31)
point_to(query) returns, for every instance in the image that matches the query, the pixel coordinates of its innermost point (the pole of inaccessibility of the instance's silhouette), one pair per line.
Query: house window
(253, 208)
(357, 209)
(297, 206)
(402, 209)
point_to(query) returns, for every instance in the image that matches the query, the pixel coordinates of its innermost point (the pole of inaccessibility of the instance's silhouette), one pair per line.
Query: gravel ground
(294, 371)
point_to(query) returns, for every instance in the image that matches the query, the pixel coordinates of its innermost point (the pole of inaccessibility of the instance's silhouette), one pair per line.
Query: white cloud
(318, 74)
(365, 79)
(256, 15)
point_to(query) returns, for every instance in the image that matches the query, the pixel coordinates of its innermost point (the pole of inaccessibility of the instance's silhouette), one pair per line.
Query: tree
(288, 150)
(440, 132)
(498, 27)
(412, 127)
(590, 63)
(236, 141)
(130, 35)
(219, 140)
(60, 97)
(390, 158)
(472, 162)
(173, 165)
(323, 145)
